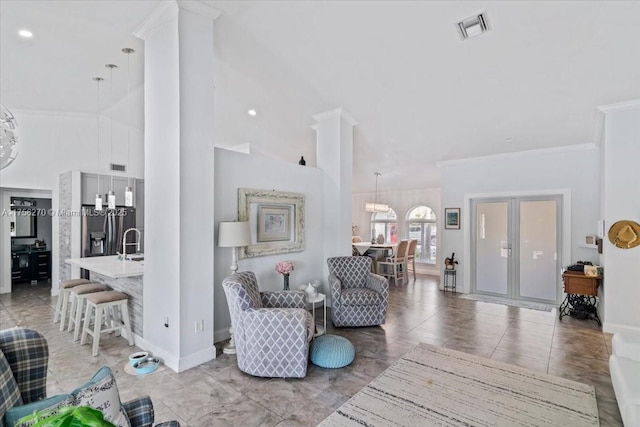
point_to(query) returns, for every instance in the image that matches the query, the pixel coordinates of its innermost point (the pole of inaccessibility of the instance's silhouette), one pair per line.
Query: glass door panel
(492, 247)
(537, 250)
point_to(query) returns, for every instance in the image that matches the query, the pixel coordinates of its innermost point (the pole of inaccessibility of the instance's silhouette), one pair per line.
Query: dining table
(382, 248)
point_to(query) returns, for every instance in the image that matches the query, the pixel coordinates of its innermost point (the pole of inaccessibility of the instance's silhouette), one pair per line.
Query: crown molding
(201, 7)
(52, 113)
(169, 9)
(516, 154)
(620, 106)
(338, 112)
(156, 19)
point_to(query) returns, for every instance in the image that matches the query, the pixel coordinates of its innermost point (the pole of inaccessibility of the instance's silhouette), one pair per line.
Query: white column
(335, 157)
(179, 163)
(621, 186)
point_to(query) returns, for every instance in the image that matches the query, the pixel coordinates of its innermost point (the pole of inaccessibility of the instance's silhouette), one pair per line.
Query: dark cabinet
(29, 266)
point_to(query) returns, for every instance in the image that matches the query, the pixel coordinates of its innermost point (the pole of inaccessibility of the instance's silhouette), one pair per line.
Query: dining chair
(395, 266)
(411, 256)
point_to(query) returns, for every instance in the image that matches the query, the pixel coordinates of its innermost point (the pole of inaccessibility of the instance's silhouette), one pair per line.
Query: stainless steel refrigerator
(102, 231)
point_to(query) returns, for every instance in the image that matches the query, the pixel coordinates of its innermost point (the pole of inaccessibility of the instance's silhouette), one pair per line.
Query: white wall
(573, 171)
(401, 202)
(621, 201)
(236, 170)
(52, 143)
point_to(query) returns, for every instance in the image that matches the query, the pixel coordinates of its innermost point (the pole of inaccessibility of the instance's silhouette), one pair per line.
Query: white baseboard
(168, 359)
(196, 359)
(612, 328)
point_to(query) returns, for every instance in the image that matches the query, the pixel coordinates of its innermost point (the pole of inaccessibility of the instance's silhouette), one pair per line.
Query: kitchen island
(121, 275)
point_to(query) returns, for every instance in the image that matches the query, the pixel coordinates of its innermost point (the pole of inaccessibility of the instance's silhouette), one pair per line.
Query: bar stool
(101, 301)
(63, 299)
(77, 295)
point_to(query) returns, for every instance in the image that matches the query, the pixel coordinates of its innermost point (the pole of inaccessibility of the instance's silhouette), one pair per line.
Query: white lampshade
(111, 200)
(128, 196)
(234, 234)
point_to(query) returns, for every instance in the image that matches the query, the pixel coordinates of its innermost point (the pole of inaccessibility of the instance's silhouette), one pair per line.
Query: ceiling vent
(473, 26)
(118, 168)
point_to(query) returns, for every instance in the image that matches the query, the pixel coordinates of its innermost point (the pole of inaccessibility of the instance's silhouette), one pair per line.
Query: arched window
(385, 223)
(421, 225)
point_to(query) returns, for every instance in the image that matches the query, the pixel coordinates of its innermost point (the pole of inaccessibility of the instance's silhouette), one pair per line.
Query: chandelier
(375, 206)
(8, 137)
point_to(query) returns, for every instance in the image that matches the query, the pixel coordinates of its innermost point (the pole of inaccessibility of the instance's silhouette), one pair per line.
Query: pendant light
(375, 206)
(111, 196)
(98, 203)
(128, 191)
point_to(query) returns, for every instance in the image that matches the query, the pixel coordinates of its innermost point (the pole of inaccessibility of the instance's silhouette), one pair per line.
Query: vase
(310, 291)
(286, 282)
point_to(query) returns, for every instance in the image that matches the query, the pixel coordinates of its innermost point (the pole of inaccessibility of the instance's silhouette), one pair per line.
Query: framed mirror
(23, 223)
(276, 219)
(23, 218)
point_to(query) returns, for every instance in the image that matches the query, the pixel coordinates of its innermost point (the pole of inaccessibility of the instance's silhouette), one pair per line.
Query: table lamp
(233, 234)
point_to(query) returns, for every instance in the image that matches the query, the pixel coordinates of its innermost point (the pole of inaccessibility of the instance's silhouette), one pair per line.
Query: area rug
(438, 386)
(507, 301)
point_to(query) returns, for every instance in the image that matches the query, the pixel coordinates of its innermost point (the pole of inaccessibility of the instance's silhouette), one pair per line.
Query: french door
(515, 245)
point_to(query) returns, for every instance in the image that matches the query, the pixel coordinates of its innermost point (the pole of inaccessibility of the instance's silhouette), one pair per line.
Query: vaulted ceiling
(419, 93)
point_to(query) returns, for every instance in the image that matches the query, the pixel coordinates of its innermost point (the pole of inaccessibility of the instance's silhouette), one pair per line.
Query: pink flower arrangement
(284, 267)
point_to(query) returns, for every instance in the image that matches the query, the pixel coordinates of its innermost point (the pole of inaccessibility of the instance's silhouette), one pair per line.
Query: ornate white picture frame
(276, 219)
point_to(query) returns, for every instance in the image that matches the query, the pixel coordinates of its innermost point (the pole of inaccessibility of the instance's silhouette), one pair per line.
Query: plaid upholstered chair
(359, 297)
(271, 330)
(24, 354)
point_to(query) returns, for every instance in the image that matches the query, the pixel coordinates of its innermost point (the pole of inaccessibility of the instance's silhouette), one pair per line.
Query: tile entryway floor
(218, 394)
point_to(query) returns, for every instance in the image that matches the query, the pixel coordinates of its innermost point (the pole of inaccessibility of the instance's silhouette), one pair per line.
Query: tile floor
(218, 394)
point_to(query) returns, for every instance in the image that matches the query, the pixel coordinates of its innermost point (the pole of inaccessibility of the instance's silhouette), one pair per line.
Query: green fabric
(46, 406)
(81, 416)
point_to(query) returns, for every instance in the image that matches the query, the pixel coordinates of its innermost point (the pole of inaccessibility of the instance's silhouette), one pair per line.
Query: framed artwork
(273, 223)
(276, 219)
(452, 218)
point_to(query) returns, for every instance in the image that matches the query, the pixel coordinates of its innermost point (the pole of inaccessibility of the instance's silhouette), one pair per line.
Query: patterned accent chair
(271, 330)
(359, 297)
(27, 356)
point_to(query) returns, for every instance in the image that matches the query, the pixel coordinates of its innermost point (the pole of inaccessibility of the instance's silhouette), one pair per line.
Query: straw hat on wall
(625, 234)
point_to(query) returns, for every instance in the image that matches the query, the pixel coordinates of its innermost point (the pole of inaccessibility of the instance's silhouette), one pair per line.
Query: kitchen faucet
(125, 244)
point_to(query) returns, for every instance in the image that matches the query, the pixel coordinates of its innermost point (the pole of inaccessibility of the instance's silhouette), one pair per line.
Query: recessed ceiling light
(252, 112)
(473, 26)
(508, 139)
(25, 33)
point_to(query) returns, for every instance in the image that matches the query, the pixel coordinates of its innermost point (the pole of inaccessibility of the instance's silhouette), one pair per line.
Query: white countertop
(109, 266)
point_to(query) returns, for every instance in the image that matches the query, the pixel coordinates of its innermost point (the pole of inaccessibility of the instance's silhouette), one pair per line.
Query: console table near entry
(580, 301)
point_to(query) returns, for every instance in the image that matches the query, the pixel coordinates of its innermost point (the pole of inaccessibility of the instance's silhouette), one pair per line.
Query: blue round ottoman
(331, 351)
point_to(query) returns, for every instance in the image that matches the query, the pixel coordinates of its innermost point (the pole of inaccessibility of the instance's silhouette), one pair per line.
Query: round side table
(318, 299)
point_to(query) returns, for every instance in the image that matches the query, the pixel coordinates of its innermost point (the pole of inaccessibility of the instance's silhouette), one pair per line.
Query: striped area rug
(432, 386)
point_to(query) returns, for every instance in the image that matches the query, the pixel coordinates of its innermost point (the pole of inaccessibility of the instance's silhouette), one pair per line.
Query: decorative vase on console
(286, 282)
